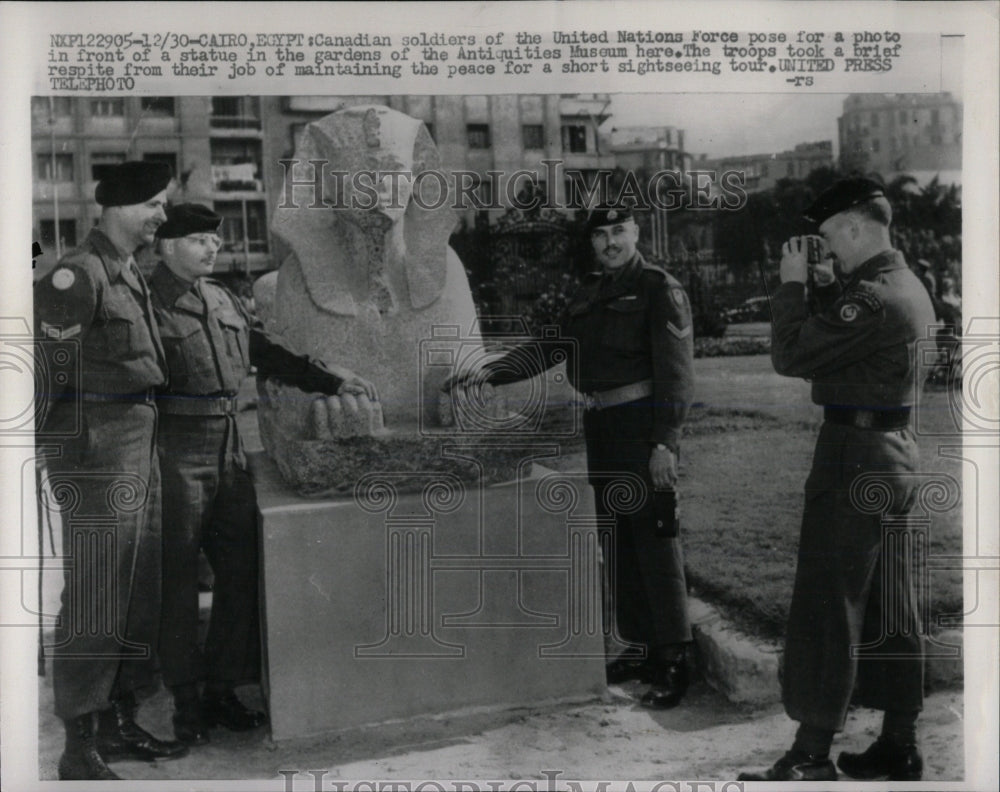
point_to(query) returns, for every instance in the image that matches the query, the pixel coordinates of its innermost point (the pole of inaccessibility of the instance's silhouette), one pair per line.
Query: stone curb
(745, 669)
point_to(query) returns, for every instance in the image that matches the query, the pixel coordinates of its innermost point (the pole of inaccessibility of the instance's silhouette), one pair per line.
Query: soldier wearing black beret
(630, 348)
(209, 500)
(857, 348)
(95, 325)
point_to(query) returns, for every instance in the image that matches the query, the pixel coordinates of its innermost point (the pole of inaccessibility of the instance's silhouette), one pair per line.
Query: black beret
(607, 214)
(843, 195)
(132, 182)
(188, 218)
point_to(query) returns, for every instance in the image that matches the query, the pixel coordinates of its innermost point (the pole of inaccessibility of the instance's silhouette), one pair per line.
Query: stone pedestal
(394, 604)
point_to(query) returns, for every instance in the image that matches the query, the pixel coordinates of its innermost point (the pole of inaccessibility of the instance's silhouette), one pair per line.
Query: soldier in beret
(630, 347)
(95, 325)
(208, 497)
(857, 349)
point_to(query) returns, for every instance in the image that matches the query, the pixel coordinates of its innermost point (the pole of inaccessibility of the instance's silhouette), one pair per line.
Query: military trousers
(644, 575)
(209, 504)
(104, 489)
(853, 625)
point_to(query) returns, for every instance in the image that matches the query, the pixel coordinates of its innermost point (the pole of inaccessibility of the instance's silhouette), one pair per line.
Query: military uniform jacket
(95, 296)
(205, 332)
(858, 347)
(622, 328)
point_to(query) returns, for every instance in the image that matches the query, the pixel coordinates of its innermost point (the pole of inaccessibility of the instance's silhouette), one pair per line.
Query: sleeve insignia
(54, 331)
(866, 297)
(849, 312)
(677, 295)
(63, 278)
(679, 332)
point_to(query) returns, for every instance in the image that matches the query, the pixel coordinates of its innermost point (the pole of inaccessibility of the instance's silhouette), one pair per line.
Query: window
(107, 108)
(67, 234)
(236, 164)
(478, 135)
(62, 166)
(166, 158)
(51, 106)
(233, 238)
(236, 112)
(157, 105)
(101, 162)
(574, 138)
(533, 136)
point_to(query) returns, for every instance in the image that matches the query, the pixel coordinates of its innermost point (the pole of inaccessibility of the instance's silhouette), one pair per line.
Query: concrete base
(392, 605)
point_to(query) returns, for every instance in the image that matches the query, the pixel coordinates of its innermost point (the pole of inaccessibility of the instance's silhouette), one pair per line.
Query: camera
(517, 410)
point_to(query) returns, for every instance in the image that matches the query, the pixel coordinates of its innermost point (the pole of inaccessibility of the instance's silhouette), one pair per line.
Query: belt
(171, 404)
(147, 396)
(879, 420)
(600, 400)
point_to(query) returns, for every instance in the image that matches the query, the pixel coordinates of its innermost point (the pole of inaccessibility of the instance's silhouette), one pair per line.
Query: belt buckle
(864, 419)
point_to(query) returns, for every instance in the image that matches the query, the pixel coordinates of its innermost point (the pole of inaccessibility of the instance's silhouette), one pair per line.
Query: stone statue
(374, 289)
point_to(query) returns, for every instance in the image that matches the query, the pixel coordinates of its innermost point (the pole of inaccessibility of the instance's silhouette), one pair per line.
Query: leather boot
(119, 736)
(80, 760)
(884, 759)
(795, 766)
(669, 684)
(223, 708)
(189, 726)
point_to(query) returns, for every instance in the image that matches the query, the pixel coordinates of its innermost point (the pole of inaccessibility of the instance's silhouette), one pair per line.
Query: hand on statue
(477, 403)
(358, 386)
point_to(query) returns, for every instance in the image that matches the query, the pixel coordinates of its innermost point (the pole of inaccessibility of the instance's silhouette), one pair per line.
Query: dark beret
(132, 182)
(843, 195)
(188, 218)
(607, 214)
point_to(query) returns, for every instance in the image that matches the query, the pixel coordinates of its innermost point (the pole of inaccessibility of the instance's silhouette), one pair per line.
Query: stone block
(395, 604)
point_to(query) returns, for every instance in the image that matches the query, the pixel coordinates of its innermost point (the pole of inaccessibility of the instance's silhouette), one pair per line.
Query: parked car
(756, 309)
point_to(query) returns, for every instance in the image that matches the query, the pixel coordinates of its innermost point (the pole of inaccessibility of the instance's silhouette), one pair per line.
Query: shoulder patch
(63, 278)
(677, 295)
(849, 312)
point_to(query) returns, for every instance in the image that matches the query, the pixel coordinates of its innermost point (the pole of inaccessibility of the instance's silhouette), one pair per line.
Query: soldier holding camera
(630, 346)
(857, 347)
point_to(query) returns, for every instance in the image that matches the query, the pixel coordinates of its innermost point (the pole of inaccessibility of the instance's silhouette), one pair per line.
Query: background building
(649, 148)
(763, 171)
(892, 134)
(225, 152)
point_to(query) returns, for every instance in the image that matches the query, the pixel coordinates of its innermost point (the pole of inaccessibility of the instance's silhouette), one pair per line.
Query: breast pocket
(625, 324)
(118, 327)
(234, 330)
(189, 359)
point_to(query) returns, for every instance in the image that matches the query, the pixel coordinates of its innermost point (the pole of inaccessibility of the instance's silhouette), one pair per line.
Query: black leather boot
(119, 736)
(884, 759)
(189, 726)
(669, 684)
(223, 708)
(81, 760)
(795, 766)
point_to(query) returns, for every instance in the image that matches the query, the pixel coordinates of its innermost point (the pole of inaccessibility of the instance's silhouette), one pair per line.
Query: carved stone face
(378, 151)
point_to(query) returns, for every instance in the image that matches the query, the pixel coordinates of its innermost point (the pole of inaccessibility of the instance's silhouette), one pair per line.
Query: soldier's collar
(114, 257)
(881, 262)
(168, 286)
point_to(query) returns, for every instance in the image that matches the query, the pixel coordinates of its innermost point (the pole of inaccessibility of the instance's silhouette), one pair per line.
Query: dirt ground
(706, 738)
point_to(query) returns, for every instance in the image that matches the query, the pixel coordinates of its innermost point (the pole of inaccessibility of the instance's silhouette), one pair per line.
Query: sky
(732, 124)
